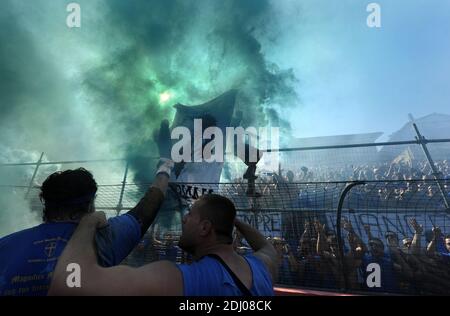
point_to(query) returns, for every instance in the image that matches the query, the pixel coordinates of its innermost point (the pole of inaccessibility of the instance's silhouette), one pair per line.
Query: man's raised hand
(418, 229)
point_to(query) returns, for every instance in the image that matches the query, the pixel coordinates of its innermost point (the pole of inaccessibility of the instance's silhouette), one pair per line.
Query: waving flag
(186, 184)
(218, 113)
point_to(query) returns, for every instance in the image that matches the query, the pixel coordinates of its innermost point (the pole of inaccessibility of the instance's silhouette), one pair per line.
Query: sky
(356, 79)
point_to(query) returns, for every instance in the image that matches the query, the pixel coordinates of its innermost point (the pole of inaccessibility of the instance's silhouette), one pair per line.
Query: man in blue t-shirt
(207, 232)
(29, 257)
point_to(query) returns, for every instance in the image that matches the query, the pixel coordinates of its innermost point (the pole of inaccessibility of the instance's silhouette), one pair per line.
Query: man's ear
(205, 227)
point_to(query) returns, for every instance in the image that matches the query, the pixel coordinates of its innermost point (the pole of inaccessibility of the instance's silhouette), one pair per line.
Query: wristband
(165, 165)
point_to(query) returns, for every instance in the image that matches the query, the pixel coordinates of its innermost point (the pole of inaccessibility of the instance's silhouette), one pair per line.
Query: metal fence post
(338, 229)
(423, 143)
(124, 182)
(34, 175)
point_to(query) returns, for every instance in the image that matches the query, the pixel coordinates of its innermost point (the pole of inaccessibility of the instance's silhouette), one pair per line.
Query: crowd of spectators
(374, 171)
(406, 266)
(388, 184)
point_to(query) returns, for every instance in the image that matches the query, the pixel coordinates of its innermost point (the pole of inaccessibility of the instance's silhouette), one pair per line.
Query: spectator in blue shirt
(29, 257)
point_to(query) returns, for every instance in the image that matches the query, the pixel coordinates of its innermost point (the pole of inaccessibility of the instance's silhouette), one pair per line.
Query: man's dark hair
(221, 212)
(67, 194)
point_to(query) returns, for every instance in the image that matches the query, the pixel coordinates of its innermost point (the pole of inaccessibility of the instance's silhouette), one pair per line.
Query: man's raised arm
(159, 278)
(146, 210)
(262, 248)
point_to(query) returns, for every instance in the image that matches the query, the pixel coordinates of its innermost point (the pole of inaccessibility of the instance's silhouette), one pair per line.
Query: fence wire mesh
(406, 220)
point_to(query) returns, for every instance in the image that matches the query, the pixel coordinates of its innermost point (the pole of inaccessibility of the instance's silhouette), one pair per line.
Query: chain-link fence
(401, 226)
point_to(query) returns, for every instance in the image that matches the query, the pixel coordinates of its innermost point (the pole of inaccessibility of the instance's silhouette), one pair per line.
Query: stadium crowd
(406, 265)
(375, 171)
(392, 184)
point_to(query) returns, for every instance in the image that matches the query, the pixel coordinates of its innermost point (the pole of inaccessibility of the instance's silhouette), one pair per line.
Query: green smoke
(101, 90)
(190, 52)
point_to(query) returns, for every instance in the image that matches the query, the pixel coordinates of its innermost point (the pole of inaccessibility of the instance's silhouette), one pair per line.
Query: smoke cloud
(190, 52)
(101, 90)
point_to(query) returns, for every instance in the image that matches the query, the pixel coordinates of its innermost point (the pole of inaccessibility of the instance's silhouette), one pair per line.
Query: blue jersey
(28, 257)
(207, 277)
